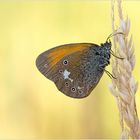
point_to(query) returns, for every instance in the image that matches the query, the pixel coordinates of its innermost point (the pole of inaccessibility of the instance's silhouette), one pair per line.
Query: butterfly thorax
(93, 63)
(104, 52)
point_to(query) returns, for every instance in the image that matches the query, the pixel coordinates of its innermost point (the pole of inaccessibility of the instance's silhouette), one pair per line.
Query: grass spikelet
(125, 86)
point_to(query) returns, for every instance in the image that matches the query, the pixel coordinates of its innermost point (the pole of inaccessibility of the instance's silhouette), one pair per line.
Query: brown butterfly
(76, 68)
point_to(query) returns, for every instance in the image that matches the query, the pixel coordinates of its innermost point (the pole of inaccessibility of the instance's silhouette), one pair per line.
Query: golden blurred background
(30, 105)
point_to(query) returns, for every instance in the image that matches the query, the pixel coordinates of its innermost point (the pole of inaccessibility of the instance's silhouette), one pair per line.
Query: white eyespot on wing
(66, 75)
(73, 89)
(65, 62)
(80, 89)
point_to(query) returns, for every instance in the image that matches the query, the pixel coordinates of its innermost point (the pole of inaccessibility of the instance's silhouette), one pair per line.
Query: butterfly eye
(65, 62)
(73, 89)
(97, 53)
(66, 84)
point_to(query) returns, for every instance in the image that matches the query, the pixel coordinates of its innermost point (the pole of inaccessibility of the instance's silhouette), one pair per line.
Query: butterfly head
(107, 45)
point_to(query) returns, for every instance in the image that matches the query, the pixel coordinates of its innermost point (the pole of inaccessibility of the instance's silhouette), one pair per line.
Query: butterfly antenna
(113, 34)
(115, 55)
(109, 74)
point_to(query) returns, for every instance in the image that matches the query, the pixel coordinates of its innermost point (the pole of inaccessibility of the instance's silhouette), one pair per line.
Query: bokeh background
(30, 105)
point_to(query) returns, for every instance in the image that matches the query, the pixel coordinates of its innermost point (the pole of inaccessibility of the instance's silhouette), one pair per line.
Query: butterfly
(75, 68)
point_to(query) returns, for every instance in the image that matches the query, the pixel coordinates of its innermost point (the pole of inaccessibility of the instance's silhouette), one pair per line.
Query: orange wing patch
(56, 54)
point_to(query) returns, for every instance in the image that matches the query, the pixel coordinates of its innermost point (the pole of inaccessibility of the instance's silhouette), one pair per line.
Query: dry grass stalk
(124, 87)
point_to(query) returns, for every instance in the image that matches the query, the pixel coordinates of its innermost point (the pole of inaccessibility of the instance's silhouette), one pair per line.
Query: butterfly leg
(109, 74)
(102, 67)
(103, 64)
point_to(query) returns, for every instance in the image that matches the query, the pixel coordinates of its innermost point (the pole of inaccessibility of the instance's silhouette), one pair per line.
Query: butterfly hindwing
(68, 77)
(69, 67)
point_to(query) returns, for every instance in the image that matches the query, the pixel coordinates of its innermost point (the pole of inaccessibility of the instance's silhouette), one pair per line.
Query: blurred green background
(30, 105)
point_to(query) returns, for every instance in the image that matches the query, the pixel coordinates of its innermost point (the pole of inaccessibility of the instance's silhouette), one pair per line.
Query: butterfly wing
(71, 67)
